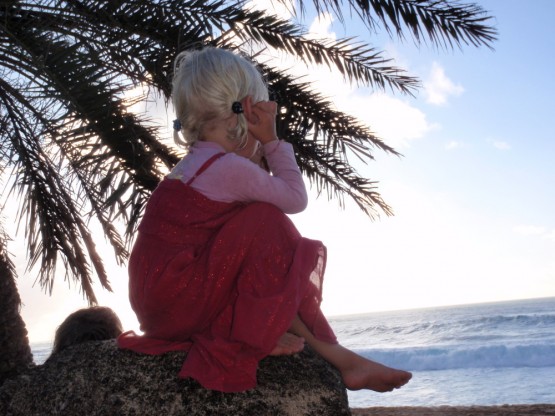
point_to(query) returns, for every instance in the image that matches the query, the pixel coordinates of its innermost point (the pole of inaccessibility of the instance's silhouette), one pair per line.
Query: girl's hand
(262, 121)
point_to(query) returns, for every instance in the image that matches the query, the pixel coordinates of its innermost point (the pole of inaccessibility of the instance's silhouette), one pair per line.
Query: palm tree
(74, 151)
(14, 344)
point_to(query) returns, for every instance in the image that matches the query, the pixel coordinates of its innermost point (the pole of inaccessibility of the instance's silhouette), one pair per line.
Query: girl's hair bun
(208, 85)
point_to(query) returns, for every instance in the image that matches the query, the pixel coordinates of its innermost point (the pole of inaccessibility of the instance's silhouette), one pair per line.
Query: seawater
(483, 354)
(41, 351)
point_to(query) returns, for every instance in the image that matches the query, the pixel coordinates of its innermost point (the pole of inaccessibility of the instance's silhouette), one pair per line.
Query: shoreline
(497, 410)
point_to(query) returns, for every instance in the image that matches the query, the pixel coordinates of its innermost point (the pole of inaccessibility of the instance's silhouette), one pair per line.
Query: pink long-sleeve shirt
(233, 178)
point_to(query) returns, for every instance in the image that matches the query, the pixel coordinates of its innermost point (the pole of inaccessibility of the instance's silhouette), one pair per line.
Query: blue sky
(473, 194)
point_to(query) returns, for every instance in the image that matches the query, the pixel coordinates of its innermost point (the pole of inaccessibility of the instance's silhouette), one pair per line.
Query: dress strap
(205, 166)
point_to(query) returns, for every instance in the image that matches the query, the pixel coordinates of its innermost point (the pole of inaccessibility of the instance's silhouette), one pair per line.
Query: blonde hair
(205, 85)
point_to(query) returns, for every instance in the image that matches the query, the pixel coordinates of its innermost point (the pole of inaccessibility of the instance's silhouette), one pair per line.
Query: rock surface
(95, 378)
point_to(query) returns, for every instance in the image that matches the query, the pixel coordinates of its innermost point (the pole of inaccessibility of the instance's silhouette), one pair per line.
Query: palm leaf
(78, 153)
(444, 23)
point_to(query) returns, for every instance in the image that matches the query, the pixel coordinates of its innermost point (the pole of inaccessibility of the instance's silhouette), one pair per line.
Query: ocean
(481, 354)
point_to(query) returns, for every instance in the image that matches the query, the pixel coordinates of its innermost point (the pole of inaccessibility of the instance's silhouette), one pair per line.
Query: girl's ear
(247, 109)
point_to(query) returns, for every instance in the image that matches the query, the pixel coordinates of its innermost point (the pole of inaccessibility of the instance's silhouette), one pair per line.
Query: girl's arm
(235, 178)
(284, 188)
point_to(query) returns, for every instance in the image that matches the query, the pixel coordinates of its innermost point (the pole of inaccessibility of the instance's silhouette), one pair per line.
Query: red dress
(222, 281)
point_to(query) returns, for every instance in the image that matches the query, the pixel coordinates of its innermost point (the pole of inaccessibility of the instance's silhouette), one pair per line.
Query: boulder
(96, 378)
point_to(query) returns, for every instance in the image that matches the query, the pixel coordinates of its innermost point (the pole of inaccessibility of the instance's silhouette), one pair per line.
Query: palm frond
(52, 222)
(79, 154)
(323, 139)
(356, 61)
(444, 23)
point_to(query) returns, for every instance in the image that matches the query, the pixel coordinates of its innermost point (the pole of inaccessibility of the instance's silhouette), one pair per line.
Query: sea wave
(447, 330)
(467, 324)
(441, 358)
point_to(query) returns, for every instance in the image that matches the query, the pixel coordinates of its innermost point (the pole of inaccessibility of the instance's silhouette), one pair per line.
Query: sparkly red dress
(222, 281)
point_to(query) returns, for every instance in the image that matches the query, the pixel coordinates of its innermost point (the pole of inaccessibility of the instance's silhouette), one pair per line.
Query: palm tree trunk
(15, 352)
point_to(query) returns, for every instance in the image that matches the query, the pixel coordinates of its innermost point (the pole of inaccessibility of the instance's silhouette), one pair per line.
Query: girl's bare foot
(368, 374)
(288, 344)
(357, 372)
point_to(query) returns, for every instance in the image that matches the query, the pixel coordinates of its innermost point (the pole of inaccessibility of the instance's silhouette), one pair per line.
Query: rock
(96, 378)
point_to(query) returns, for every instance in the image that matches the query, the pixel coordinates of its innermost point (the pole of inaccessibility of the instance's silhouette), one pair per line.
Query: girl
(218, 269)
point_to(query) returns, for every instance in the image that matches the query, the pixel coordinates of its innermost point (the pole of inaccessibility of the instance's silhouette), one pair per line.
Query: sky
(473, 193)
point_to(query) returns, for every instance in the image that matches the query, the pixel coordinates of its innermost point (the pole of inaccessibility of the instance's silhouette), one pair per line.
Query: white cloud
(320, 27)
(390, 118)
(453, 144)
(282, 9)
(438, 87)
(535, 231)
(550, 235)
(529, 230)
(501, 145)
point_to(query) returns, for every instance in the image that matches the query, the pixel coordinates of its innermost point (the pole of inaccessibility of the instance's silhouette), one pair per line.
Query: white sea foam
(485, 356)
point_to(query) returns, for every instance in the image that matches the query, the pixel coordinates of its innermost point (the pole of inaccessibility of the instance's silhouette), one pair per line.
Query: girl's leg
(288, 344)
(357, 372)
